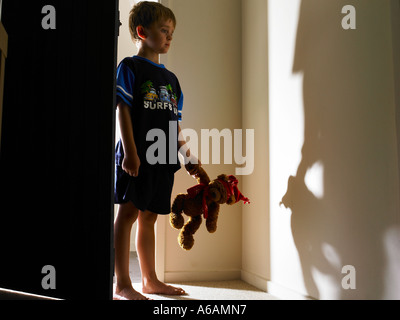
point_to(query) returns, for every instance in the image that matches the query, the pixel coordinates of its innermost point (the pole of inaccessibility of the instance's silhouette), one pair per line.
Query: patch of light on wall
(314, 179)
(331, 255)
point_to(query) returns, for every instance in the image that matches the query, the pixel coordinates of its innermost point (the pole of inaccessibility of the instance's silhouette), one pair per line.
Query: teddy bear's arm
(211, 222)
(202, 176)
(198, 173)
(175, 218)
(185, 238)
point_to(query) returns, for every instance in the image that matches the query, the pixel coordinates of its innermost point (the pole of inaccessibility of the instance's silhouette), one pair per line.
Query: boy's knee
(128, 211)
(148, 217)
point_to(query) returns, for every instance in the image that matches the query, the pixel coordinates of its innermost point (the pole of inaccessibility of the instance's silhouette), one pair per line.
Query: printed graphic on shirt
(150, 94)
(163, 99)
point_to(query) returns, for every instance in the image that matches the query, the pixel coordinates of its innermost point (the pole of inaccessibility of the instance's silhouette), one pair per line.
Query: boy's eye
(166, 31)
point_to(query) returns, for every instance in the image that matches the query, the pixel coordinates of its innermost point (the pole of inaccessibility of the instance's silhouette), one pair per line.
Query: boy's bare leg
(126, 216)
(145, 244)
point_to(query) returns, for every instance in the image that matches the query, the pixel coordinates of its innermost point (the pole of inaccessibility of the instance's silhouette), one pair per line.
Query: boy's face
(159, 36)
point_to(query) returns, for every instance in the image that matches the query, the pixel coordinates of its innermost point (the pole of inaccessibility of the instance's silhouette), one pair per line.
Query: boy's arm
(131, 162)
(185, 151)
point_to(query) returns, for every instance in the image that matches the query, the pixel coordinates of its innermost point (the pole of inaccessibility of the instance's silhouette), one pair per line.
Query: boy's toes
(162, 288)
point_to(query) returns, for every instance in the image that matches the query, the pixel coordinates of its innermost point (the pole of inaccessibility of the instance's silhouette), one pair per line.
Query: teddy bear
(205, 199)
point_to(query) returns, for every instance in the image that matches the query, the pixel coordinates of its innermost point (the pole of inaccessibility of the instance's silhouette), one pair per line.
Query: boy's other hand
(131, 165)
(193, 168)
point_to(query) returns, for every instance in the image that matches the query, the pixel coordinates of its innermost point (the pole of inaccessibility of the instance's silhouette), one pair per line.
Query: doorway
(56, 160)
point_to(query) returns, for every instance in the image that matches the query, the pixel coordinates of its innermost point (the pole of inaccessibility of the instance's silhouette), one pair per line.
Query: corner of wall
(255, 115)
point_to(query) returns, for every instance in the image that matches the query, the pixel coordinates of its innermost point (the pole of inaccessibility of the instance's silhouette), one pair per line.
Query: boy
(148, 97)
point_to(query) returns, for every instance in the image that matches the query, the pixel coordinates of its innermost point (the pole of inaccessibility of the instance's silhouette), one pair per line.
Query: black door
(56, 161)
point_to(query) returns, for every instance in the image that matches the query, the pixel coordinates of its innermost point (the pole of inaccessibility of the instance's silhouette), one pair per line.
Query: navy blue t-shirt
(155, 99)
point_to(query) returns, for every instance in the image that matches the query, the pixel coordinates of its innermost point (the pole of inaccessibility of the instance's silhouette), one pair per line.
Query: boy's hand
(131, 165)
(193, 168)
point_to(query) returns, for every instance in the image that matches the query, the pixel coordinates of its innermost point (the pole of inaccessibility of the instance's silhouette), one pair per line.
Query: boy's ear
(141, 32)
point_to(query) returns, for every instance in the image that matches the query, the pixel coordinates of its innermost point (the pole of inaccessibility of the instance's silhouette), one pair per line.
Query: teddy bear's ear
(223, 177)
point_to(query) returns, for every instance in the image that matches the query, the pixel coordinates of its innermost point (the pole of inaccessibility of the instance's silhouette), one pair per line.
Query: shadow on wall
(349, 130)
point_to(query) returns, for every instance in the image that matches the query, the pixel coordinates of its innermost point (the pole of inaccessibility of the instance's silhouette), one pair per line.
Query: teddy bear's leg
(185, 238)
(175, 218)
(211, 222)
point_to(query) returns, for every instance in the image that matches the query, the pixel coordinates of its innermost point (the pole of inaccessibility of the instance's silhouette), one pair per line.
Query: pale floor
(210, 290)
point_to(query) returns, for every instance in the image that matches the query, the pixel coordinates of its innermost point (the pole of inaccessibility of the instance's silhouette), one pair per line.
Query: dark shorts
(150, 190)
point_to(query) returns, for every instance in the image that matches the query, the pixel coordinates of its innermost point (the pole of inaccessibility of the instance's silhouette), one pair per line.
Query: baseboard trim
(272, 288)
(255, 280)
(207, 275)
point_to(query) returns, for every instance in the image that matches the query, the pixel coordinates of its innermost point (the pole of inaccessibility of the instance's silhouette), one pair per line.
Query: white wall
(206, 57)
(255, 217)
(332, 126)
(126, 47)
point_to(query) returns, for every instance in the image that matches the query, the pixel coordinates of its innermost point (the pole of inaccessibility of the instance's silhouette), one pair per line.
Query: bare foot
(158, 287)
(128, 293)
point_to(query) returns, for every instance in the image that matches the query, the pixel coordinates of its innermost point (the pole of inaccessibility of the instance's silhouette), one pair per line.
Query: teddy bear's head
(219, 190)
